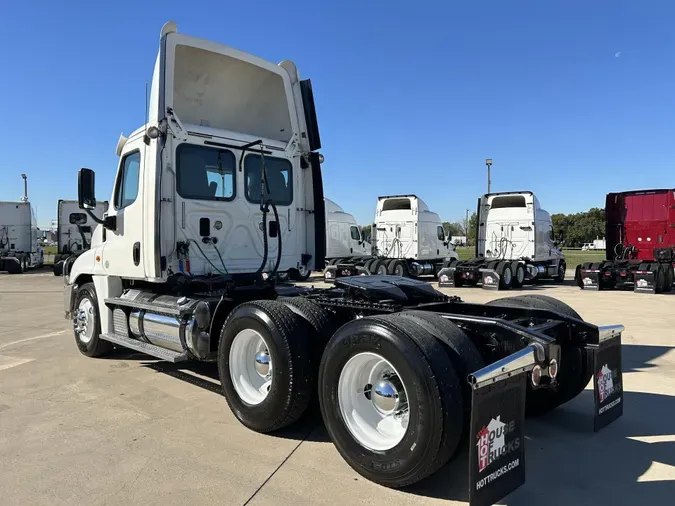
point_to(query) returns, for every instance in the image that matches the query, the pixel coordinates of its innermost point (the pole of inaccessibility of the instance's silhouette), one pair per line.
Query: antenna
(146, 106)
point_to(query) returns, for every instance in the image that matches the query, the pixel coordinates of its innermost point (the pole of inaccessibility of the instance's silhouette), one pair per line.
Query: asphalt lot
(129, 430)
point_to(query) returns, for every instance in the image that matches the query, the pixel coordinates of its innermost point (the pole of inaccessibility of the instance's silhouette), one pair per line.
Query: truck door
(122, 251)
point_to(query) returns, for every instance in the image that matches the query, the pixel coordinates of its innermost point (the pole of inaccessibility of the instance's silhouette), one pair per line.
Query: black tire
(297, 276)
(435, 402)
(576, 367)
(287, 337)
(95, 346)
(465, 357)
(659, 277)
(668, 287)
(321, 320)
(382, 267)
(518, 270)
(560, 276)
(577, 274)
(398, 268)
(368, 263)
(505, 275)
(375, 264)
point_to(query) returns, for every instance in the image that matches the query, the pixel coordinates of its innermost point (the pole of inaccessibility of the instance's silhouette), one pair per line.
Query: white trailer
(74, 230)
(515, 244)
(221, 189)
(19, 236)
(409, 241)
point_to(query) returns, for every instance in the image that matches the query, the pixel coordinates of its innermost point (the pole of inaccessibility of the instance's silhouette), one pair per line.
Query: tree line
(577, 229)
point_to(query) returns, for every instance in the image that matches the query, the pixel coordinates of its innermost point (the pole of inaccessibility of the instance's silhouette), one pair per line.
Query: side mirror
(86, 196)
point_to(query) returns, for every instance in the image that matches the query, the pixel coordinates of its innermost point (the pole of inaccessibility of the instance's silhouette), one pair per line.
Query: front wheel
(87, 323)
(560, 276)
(302, 273)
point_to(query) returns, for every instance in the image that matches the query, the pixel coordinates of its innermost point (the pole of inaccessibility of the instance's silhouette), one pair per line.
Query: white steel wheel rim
(85, 320)
(561, 271)
(507, 274)
(374, 427)
(250, 367)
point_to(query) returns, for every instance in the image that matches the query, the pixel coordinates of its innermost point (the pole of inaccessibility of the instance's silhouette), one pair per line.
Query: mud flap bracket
(332, 272)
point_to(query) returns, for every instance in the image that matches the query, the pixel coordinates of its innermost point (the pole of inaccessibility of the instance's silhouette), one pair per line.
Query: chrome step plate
(148, 349)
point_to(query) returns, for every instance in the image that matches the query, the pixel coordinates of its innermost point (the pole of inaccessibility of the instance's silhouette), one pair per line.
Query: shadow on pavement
(566, 462)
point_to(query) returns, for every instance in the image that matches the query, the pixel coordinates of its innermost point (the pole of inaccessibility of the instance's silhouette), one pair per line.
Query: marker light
(153, 132)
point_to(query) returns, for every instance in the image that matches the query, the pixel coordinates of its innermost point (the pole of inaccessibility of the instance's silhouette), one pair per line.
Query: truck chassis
(376, 265)
(381, 353)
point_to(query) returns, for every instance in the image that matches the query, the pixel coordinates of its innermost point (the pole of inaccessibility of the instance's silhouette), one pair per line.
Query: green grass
(572, 257)
(49, 250)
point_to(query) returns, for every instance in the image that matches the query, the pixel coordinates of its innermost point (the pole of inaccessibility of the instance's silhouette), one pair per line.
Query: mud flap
(490, 279)
(446, 277)
(590, 279)
(645, 282)
(607, 381)
(497, 440)
(332, 272)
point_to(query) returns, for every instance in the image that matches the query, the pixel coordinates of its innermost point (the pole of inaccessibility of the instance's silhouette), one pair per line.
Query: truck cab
(406, 228)
(344, 236)
(512, 226)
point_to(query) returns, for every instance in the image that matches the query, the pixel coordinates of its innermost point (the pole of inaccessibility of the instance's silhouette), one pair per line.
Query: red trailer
(640, 233)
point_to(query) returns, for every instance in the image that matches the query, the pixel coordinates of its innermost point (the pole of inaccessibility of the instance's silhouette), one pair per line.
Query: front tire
(405, 420)
(87, 323)
(266, 370)
(560, 277)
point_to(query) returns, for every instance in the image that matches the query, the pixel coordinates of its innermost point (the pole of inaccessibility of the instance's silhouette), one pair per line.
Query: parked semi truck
(74, 230)
(221, 189)
(640, 237)
(19, 235)
(409, 241)
(515, 244)
(345, 242)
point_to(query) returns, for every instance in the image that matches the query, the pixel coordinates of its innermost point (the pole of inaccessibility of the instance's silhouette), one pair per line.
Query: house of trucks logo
(588, 281)
(605, 383)
(642, 283)
(444, 278)
(492, 443)
(489, 280)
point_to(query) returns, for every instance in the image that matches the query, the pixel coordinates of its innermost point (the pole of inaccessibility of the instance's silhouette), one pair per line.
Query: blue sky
(571, 99)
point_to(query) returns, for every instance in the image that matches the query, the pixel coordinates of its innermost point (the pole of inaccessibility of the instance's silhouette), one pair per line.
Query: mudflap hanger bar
(498, 396)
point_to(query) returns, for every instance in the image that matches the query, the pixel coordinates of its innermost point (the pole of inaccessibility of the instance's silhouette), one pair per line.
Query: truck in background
(596, 245)
(515, 244)
(74, 230)
(19, 235)
(345, 241)
(408, 240)
(640, 236)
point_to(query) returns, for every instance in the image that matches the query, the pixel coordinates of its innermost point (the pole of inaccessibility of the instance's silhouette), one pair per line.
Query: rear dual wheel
(392, 397)
(576, 368)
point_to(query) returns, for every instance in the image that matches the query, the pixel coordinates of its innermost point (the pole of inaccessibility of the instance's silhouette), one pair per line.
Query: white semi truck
(221, 189)
(74, 230)
(409, 241)
(19, 235)
(515, 244)
(344, 237)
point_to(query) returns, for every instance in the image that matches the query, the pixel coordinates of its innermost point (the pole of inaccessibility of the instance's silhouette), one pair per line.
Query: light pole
(488, 162)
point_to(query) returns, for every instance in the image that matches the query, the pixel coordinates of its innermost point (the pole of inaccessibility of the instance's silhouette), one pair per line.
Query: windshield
(205, 173)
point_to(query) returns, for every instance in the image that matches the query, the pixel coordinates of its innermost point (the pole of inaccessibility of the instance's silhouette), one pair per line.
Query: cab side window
(551, 233)
(356, 235)
(441, 233)
(126, 189)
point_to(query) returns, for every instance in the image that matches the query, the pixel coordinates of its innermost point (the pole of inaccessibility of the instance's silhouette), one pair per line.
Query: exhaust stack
(25, 188)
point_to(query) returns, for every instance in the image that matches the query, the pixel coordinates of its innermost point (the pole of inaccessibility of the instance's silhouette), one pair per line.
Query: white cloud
(617, 54)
